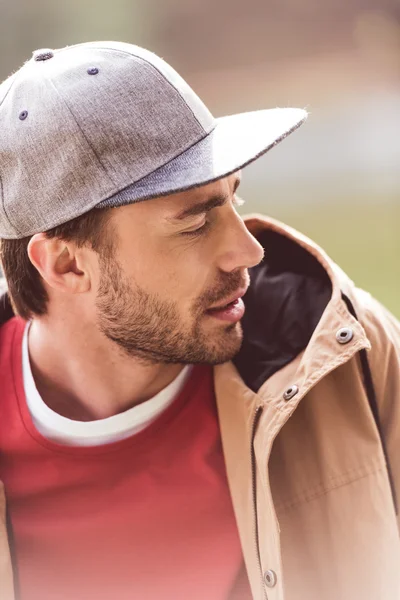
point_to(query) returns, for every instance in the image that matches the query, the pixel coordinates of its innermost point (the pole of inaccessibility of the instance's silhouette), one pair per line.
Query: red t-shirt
(147, 517)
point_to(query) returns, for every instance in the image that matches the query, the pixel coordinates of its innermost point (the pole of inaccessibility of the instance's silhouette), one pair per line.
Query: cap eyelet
(92, 71)
(23, 115)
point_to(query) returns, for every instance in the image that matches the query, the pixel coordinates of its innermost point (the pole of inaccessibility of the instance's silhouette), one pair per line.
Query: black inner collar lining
(288, 294)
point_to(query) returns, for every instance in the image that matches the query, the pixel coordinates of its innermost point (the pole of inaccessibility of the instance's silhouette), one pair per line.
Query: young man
(180, 418)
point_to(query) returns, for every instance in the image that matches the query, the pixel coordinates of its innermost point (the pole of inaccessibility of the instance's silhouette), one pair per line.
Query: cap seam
(165, 164)
(174, 88)
(9, 88)
(81, 130)
(120, 51)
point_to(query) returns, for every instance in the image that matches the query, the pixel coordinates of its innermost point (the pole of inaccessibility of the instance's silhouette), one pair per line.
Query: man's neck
(82, 375)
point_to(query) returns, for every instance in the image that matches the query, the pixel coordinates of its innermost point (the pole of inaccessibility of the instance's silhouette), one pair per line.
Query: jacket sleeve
(383, 331)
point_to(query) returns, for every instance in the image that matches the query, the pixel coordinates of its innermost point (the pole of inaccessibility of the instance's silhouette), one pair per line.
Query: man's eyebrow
(205, 206)
(201, 207)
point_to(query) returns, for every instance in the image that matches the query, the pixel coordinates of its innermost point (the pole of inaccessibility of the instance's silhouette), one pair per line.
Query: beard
(152, 329)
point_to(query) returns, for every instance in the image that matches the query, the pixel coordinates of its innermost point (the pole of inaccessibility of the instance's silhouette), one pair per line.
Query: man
(179, 417)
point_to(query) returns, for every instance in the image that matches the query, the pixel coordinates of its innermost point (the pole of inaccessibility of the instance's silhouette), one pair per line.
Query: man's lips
(229, 300)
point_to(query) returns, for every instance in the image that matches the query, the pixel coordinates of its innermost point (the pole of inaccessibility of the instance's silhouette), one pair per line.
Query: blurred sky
(337, 177)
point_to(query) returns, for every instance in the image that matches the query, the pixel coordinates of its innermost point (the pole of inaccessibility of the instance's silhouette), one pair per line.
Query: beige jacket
(305, 455)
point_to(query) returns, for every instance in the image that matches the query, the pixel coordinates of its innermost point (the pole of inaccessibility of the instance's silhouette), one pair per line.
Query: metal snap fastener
(93, 71)
(344, 335)
(39, 55)
(290, 392)
(270, 578)
(23, 115)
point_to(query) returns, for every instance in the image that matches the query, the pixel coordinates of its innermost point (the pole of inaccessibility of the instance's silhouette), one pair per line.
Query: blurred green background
(336, 179)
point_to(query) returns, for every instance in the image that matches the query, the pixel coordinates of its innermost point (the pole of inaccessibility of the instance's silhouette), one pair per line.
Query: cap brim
(235, 142)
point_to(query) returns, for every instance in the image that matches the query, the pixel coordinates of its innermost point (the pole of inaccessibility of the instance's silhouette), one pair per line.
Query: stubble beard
(150, 329)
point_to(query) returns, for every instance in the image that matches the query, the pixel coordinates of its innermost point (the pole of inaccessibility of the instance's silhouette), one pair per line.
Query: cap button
(45, 54)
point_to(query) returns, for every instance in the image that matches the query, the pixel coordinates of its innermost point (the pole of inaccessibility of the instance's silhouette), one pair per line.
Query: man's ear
(60, 263)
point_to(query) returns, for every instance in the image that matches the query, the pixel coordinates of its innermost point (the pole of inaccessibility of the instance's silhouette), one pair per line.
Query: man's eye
(199, 231)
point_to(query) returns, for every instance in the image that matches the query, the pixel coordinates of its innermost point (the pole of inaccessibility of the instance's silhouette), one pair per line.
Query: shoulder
(381, 326)
(383, 332)
(12, 328)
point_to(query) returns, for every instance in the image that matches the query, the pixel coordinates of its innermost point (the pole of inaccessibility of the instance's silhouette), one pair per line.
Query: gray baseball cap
(106, 124)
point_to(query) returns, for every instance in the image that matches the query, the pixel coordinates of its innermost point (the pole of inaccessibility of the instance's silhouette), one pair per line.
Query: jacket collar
(295, 307)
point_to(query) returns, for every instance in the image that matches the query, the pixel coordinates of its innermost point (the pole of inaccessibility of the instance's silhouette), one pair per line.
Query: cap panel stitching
(14, 78)
(81, 130)
(160, 73)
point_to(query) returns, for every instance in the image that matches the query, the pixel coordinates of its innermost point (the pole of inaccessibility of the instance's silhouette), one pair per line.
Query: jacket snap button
(270, 578)
(290, 392)
(344, 335)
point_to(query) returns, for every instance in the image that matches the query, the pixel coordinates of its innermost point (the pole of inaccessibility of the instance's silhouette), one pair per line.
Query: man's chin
(227, 346)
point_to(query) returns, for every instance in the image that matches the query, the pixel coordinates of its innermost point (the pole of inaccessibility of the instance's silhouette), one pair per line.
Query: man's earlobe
(58, 264)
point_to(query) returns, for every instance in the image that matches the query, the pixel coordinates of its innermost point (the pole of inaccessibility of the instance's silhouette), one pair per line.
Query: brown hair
(25, 284)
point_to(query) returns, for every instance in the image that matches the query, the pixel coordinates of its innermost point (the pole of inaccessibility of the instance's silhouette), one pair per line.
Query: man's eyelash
(237, 202)
(199, 231)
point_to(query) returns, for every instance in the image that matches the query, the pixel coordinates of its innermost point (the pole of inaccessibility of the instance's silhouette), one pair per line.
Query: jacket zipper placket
(256, 419)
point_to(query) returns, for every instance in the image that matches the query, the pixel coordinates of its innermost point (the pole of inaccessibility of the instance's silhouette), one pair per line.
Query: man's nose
(241, 250)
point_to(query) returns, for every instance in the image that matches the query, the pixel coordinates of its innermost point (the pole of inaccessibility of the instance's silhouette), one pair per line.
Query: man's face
(177, 259)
